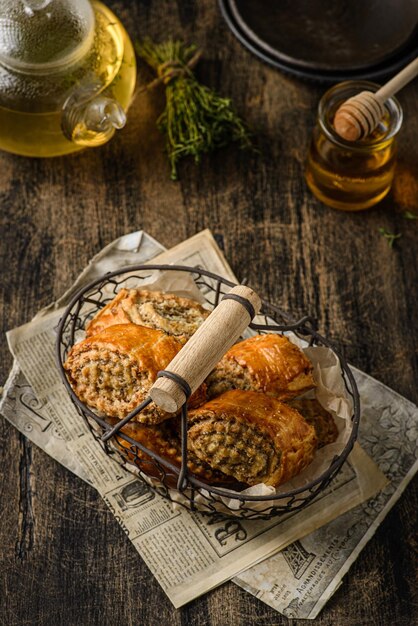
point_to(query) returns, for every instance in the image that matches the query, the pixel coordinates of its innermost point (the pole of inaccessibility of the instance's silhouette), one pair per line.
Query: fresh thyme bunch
(196, 120)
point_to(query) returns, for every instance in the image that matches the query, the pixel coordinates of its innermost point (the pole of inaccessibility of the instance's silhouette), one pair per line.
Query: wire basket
(170, 481)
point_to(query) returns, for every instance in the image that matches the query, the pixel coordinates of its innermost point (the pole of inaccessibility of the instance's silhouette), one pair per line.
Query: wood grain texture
(64, 559)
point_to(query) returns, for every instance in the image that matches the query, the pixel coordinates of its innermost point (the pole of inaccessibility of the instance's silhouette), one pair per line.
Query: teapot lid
(40, 36)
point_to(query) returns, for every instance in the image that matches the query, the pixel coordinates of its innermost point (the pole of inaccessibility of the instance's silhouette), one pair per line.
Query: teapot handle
(90, 118)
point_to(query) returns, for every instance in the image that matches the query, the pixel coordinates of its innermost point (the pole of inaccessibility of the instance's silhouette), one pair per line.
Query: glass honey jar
(352, 176)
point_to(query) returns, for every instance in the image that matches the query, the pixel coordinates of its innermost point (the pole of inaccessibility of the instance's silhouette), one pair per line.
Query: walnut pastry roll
(322, 421)
(268, 363)
(253, 437)
(163, 439)
(175, 315)
(114, 370)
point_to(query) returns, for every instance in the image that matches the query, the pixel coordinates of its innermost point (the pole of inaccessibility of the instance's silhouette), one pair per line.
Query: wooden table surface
(64, 558)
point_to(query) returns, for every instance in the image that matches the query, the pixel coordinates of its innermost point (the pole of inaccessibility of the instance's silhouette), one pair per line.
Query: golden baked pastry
(164, 441)
(177, 316)
(114, 370)
(252, 437)
(267, 363)
(315, 414)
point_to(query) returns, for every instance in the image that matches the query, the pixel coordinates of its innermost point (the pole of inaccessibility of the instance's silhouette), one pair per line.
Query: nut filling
(270, 364)
(113, 370)
(176, 316)
(252, 437)
(235, 448)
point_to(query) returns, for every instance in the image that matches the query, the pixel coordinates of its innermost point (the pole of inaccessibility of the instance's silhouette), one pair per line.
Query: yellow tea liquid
(39, 133)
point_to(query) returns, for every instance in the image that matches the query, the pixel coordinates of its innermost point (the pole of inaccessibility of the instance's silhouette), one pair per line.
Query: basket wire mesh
(168, 480)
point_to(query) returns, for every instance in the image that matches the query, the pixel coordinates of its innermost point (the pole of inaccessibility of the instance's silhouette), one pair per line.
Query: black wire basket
(177, 483)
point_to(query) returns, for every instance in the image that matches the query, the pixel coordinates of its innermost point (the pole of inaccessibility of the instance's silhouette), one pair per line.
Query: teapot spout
(91, 120)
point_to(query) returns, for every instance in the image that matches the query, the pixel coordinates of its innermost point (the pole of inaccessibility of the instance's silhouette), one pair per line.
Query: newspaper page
(202, 552)
(300, 579)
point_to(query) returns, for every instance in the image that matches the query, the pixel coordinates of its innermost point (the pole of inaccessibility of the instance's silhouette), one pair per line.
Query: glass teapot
(67, 75)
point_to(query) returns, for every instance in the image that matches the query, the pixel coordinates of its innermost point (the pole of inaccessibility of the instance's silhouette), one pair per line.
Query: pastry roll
(253, 437)
(164, 441)
(322, 421)
(114, 370)
(177, 316)
(267, 363)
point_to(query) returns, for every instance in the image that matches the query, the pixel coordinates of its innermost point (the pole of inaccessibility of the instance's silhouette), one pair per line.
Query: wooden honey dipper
(358, 116)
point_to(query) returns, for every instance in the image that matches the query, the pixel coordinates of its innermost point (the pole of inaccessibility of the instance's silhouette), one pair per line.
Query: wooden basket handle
(206, 347)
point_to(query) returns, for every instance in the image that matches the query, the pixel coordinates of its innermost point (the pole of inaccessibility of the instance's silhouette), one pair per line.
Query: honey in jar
(352, 176)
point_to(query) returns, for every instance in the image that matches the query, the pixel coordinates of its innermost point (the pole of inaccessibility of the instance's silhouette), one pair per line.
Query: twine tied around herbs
(196, 120)
(171, 69)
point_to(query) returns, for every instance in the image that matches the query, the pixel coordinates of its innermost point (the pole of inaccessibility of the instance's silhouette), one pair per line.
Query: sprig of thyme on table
(390, 237)
(196, 119)
(408, 215)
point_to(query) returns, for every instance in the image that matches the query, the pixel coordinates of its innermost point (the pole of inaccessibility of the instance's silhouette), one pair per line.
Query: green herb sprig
(196, 120)
(390, 237)
(408, 215)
